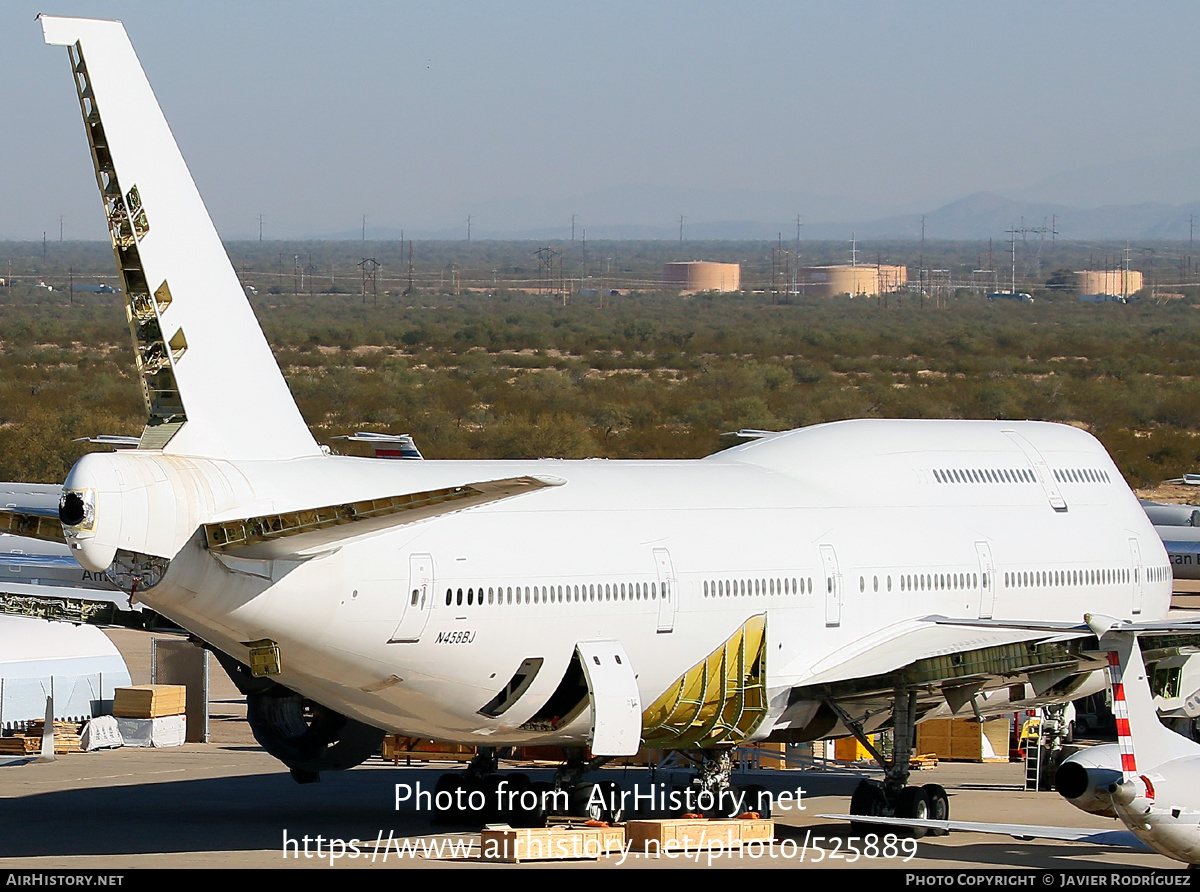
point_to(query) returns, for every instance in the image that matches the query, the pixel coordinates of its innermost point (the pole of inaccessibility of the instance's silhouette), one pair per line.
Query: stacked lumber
(29, 741)
(150, 701)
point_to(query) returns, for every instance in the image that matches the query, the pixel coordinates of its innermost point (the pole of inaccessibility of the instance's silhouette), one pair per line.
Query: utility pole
(799, 238)
(1013, 286)
(921, 270)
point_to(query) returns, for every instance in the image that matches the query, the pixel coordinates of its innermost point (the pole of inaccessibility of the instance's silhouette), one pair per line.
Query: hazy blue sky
(417, 114)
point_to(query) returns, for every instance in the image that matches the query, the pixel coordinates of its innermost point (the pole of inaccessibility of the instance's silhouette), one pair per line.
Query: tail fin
(1145, 742)
(211, 385)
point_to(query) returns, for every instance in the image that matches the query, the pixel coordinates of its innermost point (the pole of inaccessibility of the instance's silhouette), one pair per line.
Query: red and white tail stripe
(1121, 713)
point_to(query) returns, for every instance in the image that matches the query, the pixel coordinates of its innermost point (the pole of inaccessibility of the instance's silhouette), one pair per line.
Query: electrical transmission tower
(370, 278)
(545, 256)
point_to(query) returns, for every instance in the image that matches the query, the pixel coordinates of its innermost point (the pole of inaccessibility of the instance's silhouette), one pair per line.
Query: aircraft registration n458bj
(690, 605)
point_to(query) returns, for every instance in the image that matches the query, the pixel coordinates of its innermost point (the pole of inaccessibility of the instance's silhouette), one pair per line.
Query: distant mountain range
(980, 216)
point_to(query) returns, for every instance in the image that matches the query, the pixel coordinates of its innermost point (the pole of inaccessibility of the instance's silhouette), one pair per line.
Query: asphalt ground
(227, 804)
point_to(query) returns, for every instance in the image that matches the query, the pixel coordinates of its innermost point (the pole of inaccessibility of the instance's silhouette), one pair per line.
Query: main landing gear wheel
(869, 801)
(939, 806)
(449, 789)
(602, 801)
(914, 803)
(755, 798)
(585, 804)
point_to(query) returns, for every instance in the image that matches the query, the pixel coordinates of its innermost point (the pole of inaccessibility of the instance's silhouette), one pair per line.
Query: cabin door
(833, 586)
(418, 599)
(1135, 554)
(667, 595)
(987, 580)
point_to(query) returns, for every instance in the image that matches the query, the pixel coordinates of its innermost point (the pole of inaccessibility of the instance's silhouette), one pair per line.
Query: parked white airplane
(1150, 778)
(1179, 528)
(688, 605)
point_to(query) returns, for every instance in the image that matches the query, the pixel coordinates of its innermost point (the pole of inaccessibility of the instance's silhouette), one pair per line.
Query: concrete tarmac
(228, 804)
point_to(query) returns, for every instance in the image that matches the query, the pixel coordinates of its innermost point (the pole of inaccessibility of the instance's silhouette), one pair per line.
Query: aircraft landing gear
(894, 797)
(594, 801)
(482, 794)
(479, 793)
(713, 794)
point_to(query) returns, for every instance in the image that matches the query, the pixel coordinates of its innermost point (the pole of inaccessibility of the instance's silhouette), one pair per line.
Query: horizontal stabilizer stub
(262, 536)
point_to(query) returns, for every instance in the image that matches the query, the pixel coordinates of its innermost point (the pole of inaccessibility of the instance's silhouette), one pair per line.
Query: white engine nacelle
(1084, 779)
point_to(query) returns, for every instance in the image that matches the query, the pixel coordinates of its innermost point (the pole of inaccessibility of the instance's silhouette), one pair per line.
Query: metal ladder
(1033, 757)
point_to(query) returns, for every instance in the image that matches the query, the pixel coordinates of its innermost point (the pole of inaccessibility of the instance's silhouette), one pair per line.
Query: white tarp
(100, 733)
(76, 665)
(167, 730)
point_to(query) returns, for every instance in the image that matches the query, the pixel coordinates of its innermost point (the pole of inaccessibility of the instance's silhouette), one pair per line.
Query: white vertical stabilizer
(211, 385)
(1145, 742)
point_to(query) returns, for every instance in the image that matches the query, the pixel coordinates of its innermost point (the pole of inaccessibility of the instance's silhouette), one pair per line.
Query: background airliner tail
(211, 385)
(1145, 742)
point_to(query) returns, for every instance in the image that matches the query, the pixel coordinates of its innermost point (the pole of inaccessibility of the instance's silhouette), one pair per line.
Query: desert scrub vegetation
(507, 373)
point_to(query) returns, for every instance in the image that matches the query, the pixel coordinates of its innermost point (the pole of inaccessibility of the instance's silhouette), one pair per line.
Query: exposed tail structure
(211, 385)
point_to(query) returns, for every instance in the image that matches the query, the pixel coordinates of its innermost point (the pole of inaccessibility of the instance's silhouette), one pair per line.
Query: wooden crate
(848, 749)
(689, 834)
(416, 749)
(960, 740)
(149, 701)
(564, 842)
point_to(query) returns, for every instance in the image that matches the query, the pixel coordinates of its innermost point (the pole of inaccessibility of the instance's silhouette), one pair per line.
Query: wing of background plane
(41, 579)
(31, 510)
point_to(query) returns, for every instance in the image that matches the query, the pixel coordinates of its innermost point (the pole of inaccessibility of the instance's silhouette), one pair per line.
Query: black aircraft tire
(756, 798)
(520, 814)
(914, 803)
(614, 802)
(585, 804)
(868, 801)
(451, 783)
(545, 803)
(939, 806)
